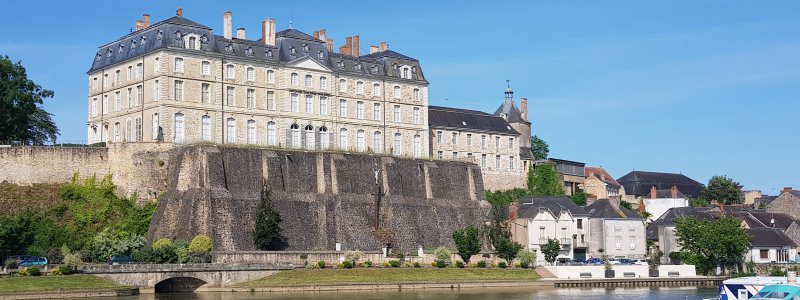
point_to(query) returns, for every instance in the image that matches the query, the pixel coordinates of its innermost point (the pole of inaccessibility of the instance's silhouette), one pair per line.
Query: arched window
(251, 131)
(116, 132)
(294, 79)
(342, 85)
(310, 140)
(178, 138)
(270, 76)
(377, 142)
(343, 139)
(415, 94)
(156, 68)
(230, 134)
(417, 146)
(398, 144)
(295, 135)
(138, 129)
(324, 139)
(376, 89)
(396, 91)
(231, 70)
(360, 143)
(205, 129)
(323, 82)
(192, 43)
(359, 88)
(272, 133)
(206, 69)
(309, 81)
(178, 65)
(155, 126)
(251, 74)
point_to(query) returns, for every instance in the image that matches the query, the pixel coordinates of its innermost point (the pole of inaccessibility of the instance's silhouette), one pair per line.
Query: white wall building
(538, 219)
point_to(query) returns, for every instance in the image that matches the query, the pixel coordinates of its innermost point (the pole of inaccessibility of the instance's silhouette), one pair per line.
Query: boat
(787, 291)
(743, 288)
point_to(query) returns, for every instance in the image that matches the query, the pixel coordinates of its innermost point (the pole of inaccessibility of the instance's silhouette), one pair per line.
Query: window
(360, 141)
(631, 227)
(139, 95)
(309, 104)
(206, 69)
(293, 106)
(130, 97)
(377, 141)
(272, 132)
(439, 137)
(342, 108)
(511, 163)
(397, 92)
(130, 69)
(156, 67)
(454, 139)
(94, 83)
(342, 86)
(178, 66)
(192, 42)
(618, 243)
(139, 70)
(310, 141)
(270, 100)
(398, 144)
(455, 155)
(397, 113)
(376, 111)
(138, 128)
(251, 131)
(511, 143)
(309, 81)
(323, 105)
(294, 78)
(416, 115)
(483, 142)
(439, 154)
(105, 80)
(764, 254)
(251, 74)
(129, 128)
(205, 129)
(417, 146)
(497, 142)
(270, 76)
(178, 138)
(230, 134)
(632, 242)
(117, 104)
(580, 223)
(405, 73)
(343, 139)
(324, 139)
(230, 97)
(116, 77)
(156, 91)
(105, 104)
(415, 94)
(360, 110)
(483, 160)
(359, 88)
(251, 98)
(497, 162)
(178, 90)
(295, 135)
(116, 132)
(469, 139)
(617, 227)
(94, 107)
(231, 71)
(323, 83)
(204, 93)
(376, 89)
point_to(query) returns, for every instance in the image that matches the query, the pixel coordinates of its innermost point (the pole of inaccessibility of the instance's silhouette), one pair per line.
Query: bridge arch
(179, 284)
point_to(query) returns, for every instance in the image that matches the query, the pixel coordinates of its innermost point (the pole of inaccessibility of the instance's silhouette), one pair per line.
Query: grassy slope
(51, 283)
(391, 276)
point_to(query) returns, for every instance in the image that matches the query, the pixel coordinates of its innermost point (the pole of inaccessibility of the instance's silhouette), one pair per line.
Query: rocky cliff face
(323, 198)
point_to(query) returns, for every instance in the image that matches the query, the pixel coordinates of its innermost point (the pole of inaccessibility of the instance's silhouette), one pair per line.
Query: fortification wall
(323, 198)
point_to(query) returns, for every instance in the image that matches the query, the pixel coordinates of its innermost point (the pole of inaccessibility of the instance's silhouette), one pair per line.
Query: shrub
(56, 272)
(407, 265)
(366, 264)
(24, 272)
(182, 251)
(459, 264)
(394, 263)
(10, 263)
(54, 256)
(386, 265)
(161, 243)
(312, 266)
(201, 243)
(352, 256)
(72, 260)
(347, 264)
(86, 255)
(64, 270)
(502, 265)
(442, 254)
(526, 258)
(440, 264)
(34, 271)
(321, 264)
(417, 265)
(777, 271)
(144, 255)
(481, 264)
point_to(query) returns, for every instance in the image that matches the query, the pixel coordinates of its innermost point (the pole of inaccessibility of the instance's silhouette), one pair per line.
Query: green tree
(16, 232)
(506, 249)
(22, 117)
(698, 202)
(579, 198)
(551, 250)
(539, 147)
(723, 189)
(709, 243)
(267, 233)
(468, 242)
(546, 182)
(531, 183)
(201, 244)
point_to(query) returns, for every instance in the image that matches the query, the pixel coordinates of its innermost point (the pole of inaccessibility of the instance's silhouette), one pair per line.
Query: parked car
(119, 260)
(33, 261)
(21, 258)
(595, 261)
(643, 262)
(625, 261)
(563, 260)
(579, 260)
(613, 261)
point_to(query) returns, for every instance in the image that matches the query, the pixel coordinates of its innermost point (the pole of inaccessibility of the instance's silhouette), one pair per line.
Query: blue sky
(697, 87)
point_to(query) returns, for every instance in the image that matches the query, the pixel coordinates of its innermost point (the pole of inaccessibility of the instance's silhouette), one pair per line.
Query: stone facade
(787, 203)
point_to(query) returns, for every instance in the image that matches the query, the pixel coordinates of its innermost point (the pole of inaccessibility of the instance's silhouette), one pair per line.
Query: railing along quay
(643, 282)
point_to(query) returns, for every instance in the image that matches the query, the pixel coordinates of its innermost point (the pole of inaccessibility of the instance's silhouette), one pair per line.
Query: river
(691, 293)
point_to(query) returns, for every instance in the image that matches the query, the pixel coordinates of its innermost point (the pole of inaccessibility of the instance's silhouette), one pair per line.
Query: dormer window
(341, 64)
(177, 35)
(144, 39)
(292, 51)
(229, 48)
(320, 55)
(108, 54)
(358, 67)
(99, 56)
(269, 54)
(133, 45)
(413, 71)
(121, 48)
(192, 43)
(204, 39)
(374, 69)
(249, 52)
(305, 48)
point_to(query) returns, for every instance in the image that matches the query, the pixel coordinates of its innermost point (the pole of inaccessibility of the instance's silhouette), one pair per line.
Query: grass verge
(300, 277)
(54, 283)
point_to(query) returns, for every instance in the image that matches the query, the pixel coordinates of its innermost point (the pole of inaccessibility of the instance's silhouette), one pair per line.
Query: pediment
(308, 63)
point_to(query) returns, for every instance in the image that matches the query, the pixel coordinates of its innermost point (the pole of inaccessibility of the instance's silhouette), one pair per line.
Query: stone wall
(323, 198)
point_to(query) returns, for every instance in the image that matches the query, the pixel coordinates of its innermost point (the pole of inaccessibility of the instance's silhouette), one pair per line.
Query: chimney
(240, 34)
(373, 49)
(383, 46)
(642, 207)
(787, 189)
(343, 49)
(330, 45)
(145, 21)
(523, 102)
(268, 32)
(227, 24)
(316, 35)
(653, 192)
(349, 45)
(355, 46)
(179, 12)
(322, 35)
(139, 25)
(513, 212)
(674, 191)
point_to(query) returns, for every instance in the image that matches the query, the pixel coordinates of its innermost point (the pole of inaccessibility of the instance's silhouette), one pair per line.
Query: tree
(531, 175)
(539, 147)
(21, 116)
(267, 233)
(723, 189)
(506, 249)
(546, 182)
(551, 250)
(579, 198)
(709, 243)
(468, 242)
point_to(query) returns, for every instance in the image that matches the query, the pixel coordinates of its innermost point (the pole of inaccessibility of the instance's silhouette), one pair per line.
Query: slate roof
(529, 207)
(766, 199)
(467, 120)
(668, 218)
(769, 237)
(600, 174)
(638, 183)
(764, 219)
(526, 153)
(511, 110)
(665, 194)
(603, 209)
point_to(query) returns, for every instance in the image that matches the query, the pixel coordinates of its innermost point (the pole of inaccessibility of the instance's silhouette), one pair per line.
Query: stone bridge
(184, 277)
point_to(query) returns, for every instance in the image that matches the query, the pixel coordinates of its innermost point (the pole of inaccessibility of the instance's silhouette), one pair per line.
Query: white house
(770, 245)
(535, 220)
(662, 200)
(616, 232)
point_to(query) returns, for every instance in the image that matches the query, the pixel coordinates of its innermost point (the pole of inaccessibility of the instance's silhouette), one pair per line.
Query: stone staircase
(544, 272)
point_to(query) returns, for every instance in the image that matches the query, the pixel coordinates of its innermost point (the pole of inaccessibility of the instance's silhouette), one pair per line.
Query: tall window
(178, 65)
(129, 128)
(417, 119)
(415, 94)
(323, 105)
(483, 160)
(116, 132)
(251, 74)
(138, 128)
(116, 77)
(117, 102)
(294, 105)
(309, 81)
(377, 142)
(156, 91)
(272, 133)
(376, 89)
(105, 80)
(178, 138)
(271, 100)
(230, 134)
(130, 69)
(417, 146)
(295, 135)
(397, 113)
(310, 141)
(497, 162)
(398, 144)
(206, 68)
(192, 42)
(139, 94)
(105, 104)
(309, 104)
(205, 129)
(454, 140)
(511, 143)
(397, 92)
(497, 142)
(251, 131)
(270, 76)
(205, 95)
(139, 71)
(360, 110)
(342, 108)
(343, 139)
(511, 163)
(323, 83)
(360, 141)
(483, 141)
(439, 137)
(231, 71)
(251, 98)
(376, 111)
(155, 126)
(294, 78)
(324, 138)
(178, 90)
(130, 97)
(342, 86)
(157, 66)
(359, 88)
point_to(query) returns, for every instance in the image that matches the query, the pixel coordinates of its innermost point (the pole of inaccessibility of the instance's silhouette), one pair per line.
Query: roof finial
(508, 83)
(291, 19)
(509, 92)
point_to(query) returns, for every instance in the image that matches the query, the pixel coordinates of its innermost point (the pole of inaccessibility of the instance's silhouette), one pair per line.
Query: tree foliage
(539, 147)
(724, 190)
(551, 250)
(546, 182)
(468, 242)
(579, 198)
(506, 249)
(698, 202)
(708, 243)
(267, 233)
(201, 244)
(22, 117)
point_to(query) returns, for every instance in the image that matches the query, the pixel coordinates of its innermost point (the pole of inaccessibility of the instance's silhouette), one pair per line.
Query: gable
(544, 215)
(308, 63)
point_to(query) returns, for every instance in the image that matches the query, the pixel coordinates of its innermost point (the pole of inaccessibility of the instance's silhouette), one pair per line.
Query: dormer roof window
(305, 48)
(159, 35)
(269, 54)
(321, 55)
(229, 48)
(292, 51)
(121, 48)
(341, 64)
(358, 67)
(249, 52)
(374, 69)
